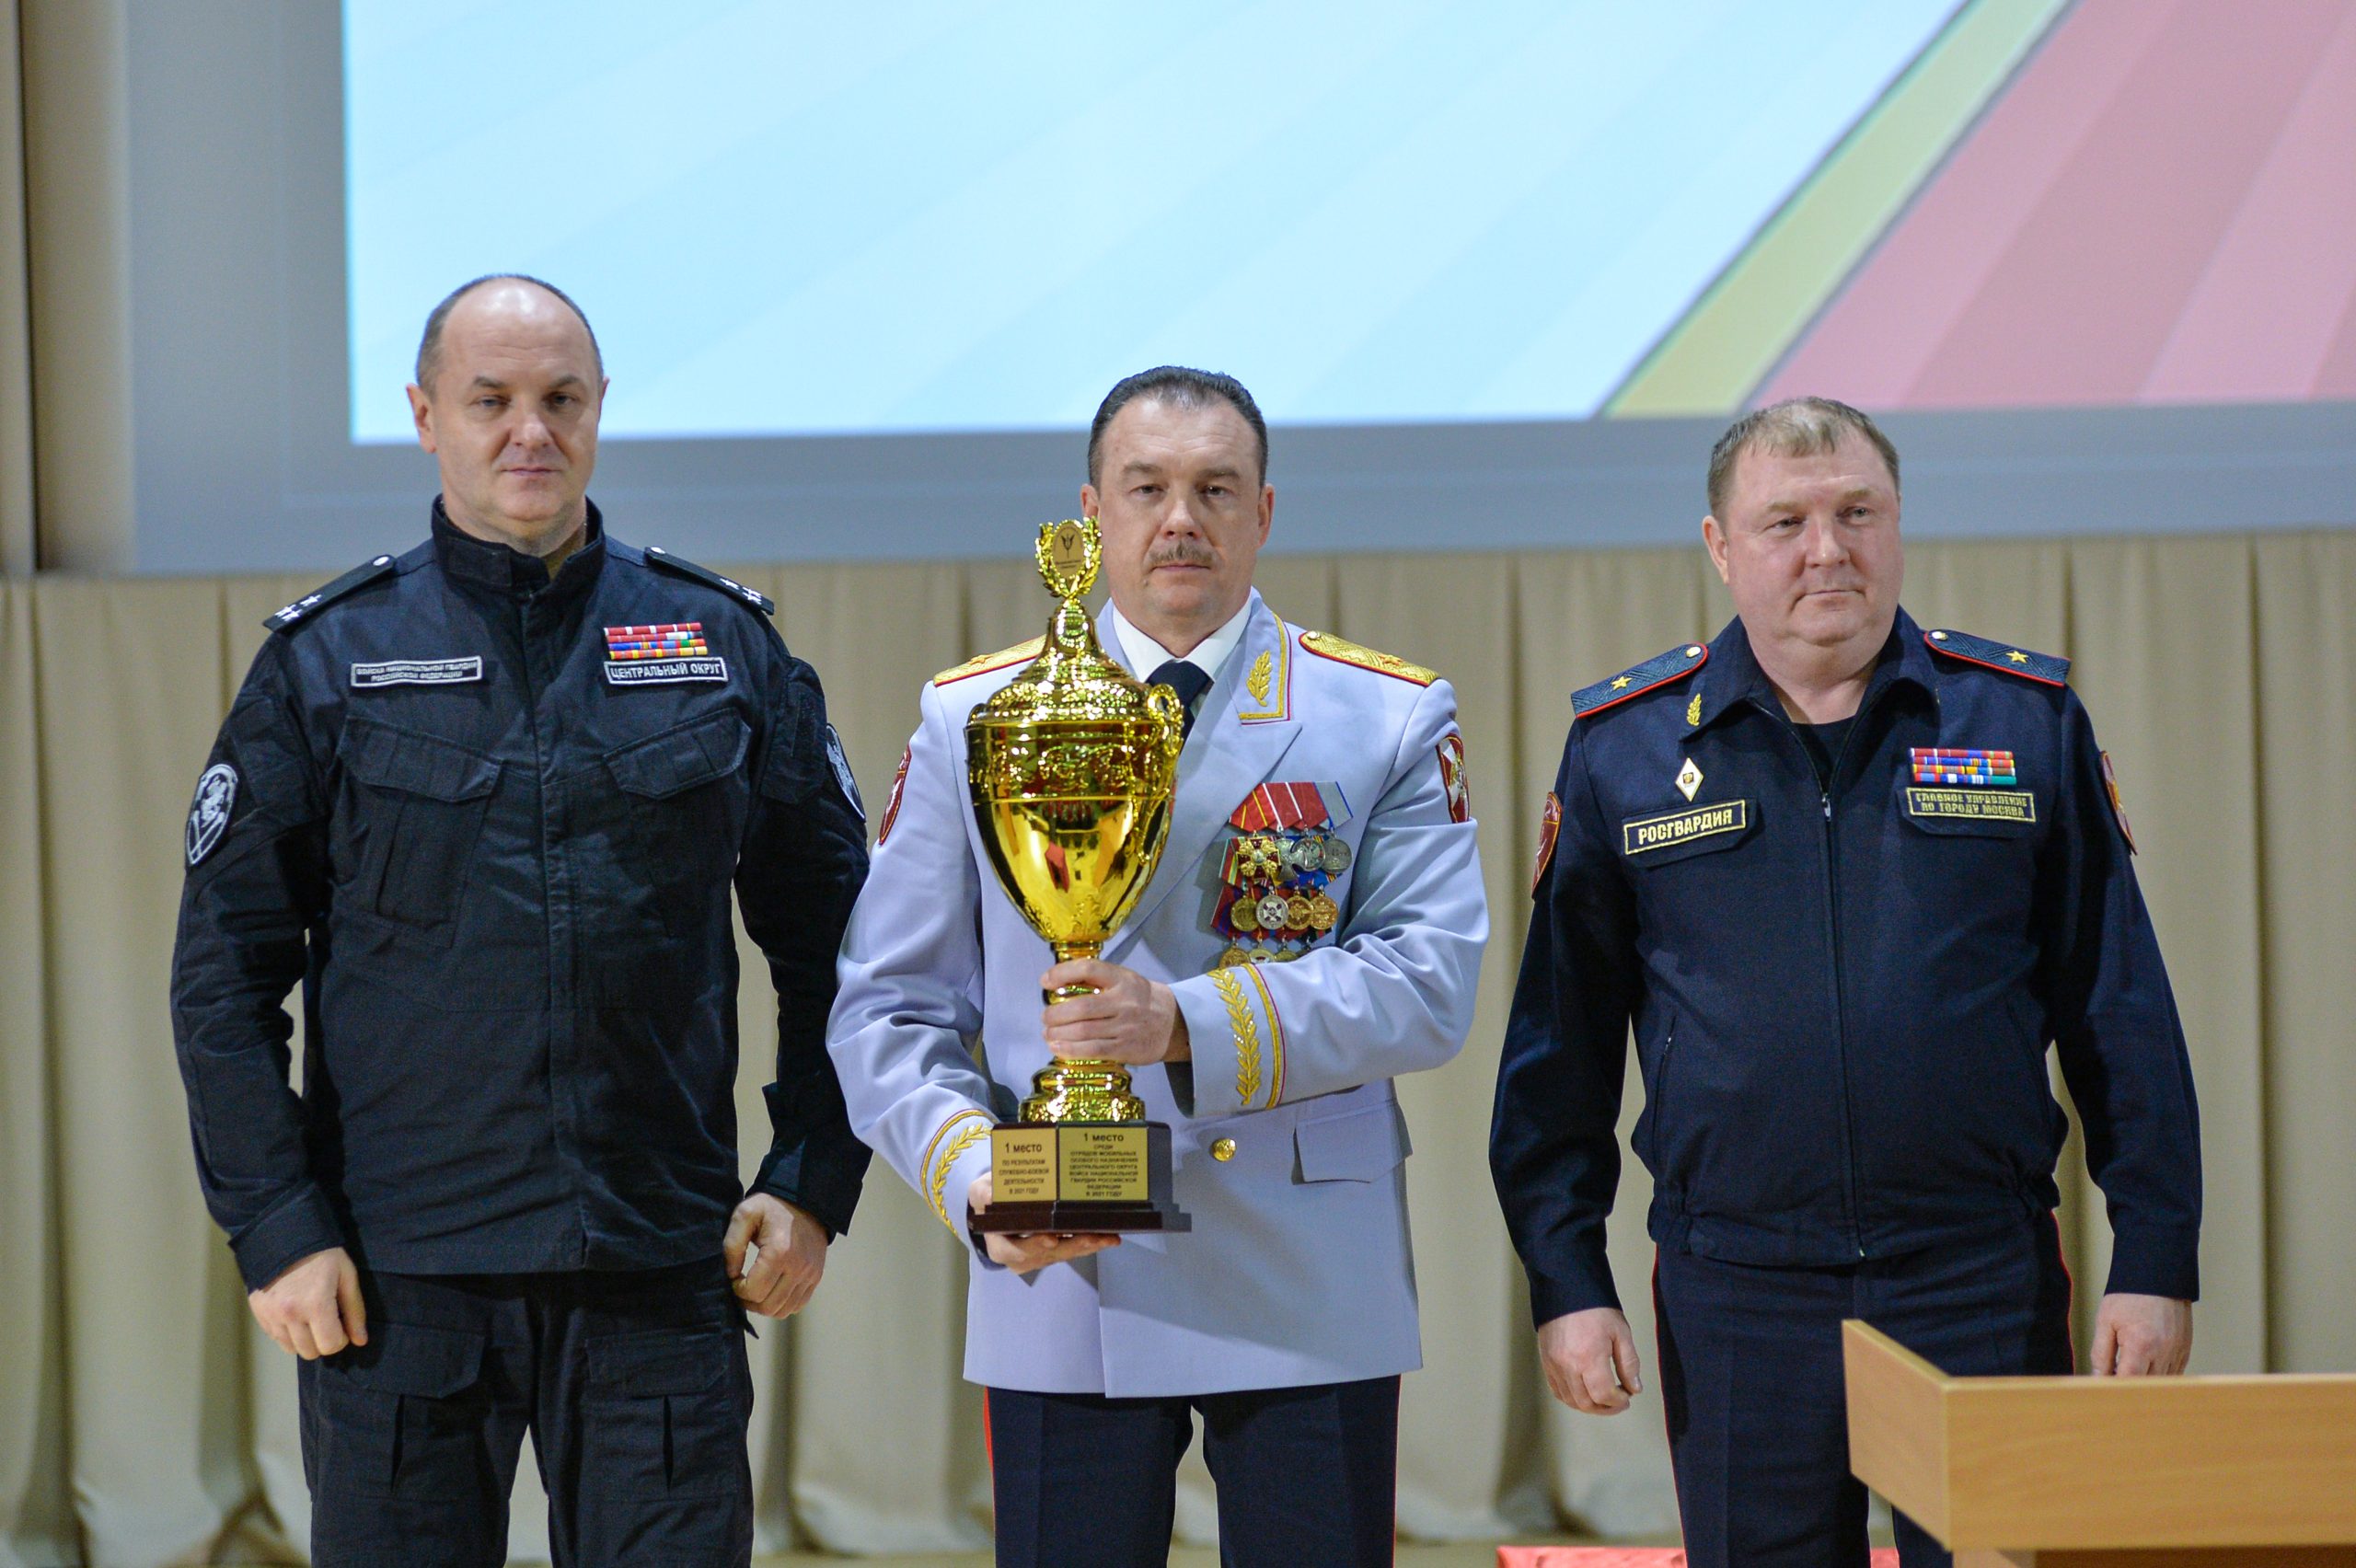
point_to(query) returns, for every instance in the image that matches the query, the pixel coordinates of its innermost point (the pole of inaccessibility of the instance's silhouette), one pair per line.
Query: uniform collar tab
(1910, 660)
(1732, 674)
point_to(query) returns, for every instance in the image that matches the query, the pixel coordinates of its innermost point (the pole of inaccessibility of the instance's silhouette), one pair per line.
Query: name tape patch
(660, 672)
(1976, 805)
(1684, 827)
(417, 672)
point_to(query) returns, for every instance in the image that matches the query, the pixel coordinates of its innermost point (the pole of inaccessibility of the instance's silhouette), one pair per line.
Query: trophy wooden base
(1082, 1219)
(1073, 1177)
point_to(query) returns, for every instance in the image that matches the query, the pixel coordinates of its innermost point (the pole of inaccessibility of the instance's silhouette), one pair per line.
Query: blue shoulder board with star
(2014, 660)
(1658, 671)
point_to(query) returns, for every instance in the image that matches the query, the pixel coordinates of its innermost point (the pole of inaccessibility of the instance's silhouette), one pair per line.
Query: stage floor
(1464, 1555)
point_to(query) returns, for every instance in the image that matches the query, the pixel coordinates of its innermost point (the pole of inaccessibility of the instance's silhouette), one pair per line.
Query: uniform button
(1223, 1149)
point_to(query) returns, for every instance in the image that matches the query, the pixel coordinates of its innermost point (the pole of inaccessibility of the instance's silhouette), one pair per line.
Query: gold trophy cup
(1072, 767)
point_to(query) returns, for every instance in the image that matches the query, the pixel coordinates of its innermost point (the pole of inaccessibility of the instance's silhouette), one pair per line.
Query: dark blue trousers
(1306, 1477)
(1751, 1375)
(634, 1388)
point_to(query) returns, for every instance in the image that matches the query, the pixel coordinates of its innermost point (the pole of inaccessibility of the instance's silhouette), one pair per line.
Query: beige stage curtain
(17, 543)
(143, 1421)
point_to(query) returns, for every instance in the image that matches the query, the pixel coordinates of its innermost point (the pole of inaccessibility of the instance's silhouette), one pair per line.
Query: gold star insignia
(2017, 657)
(1620, 683)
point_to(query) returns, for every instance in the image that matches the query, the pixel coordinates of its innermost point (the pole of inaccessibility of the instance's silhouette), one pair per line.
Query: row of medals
(1282, 876)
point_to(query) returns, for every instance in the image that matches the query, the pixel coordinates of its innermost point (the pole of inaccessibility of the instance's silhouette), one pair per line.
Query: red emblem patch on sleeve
(2110, 782)
(1451, 778)
(892, 807)
(1550, 826)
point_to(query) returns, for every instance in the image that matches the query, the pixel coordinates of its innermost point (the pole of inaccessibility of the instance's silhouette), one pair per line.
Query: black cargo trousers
(633, 1385)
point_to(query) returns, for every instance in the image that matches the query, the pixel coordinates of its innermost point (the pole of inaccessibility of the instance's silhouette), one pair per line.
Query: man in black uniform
(485, 801)
(1847, 878)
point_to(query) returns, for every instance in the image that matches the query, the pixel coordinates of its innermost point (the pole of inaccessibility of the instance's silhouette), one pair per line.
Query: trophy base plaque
(1094, 1177)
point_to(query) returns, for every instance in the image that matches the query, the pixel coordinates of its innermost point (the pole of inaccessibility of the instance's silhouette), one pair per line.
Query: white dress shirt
(1145, 655)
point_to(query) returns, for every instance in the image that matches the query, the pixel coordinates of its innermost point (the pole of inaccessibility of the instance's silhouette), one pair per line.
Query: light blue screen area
(795, 219)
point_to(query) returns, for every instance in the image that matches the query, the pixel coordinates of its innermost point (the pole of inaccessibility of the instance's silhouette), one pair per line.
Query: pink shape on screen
(2162, 205)
(2336, 377)
(2261, 324)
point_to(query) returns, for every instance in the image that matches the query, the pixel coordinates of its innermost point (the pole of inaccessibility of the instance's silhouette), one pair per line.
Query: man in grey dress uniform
(1314, 929)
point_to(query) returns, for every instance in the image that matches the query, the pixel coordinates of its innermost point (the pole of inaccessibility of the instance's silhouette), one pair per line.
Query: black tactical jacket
(489, 820)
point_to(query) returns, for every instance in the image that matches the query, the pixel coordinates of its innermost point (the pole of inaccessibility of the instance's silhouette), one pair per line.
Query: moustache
(1180, 555)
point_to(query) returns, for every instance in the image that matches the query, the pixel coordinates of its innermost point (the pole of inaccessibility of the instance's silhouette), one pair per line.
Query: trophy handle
(1162, 702)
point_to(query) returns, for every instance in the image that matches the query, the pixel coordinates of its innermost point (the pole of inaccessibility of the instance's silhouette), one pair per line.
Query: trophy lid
(1072, 678)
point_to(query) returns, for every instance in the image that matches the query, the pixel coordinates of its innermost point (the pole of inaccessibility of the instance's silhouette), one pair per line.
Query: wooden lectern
(2074, 1473)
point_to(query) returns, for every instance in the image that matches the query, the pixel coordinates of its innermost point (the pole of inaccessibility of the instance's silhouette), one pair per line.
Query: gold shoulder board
(1326, 645)
(982, 663)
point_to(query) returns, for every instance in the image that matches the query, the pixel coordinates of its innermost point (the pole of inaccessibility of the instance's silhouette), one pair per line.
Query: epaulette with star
(1658, 671)
(982, 663)
(2050, 668)
(1342, 650)
(351, 581)
(657, 556)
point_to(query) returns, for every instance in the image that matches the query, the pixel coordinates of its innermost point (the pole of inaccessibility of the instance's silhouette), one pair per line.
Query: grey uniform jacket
(1297, 1269)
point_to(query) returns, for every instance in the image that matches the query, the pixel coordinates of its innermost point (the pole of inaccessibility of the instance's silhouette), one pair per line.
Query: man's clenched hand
(1130, 1019)
(789, 1254)
(313, 1307)
(1590, 1360)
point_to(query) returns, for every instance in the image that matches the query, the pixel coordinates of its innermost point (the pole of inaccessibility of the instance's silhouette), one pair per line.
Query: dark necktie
(1188, 679)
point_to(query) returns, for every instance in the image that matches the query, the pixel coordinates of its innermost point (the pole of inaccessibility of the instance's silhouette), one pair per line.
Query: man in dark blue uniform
(1847, 879)
(485, 801)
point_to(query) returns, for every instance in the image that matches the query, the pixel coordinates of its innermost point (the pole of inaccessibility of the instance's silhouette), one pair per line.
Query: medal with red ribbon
(1302, 805)
(1277, 870)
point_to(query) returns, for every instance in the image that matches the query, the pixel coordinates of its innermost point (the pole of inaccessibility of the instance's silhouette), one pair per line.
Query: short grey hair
(1796, 427)
(429, 346)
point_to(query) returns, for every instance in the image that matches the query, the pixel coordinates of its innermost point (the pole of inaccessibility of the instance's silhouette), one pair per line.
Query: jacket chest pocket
(683, 807)
(419, 809)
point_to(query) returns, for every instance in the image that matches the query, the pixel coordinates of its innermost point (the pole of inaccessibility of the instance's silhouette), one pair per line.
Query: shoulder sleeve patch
(982, 663)
(1659, 670)
(657, 556)
(1341, 649)
(2050, 669)
(1550, 828)
(359, 577)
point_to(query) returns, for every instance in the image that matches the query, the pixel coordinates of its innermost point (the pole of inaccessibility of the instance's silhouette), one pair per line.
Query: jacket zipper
(560, 958)
(540, 788)
(1830, 860)
(1840, 1008)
